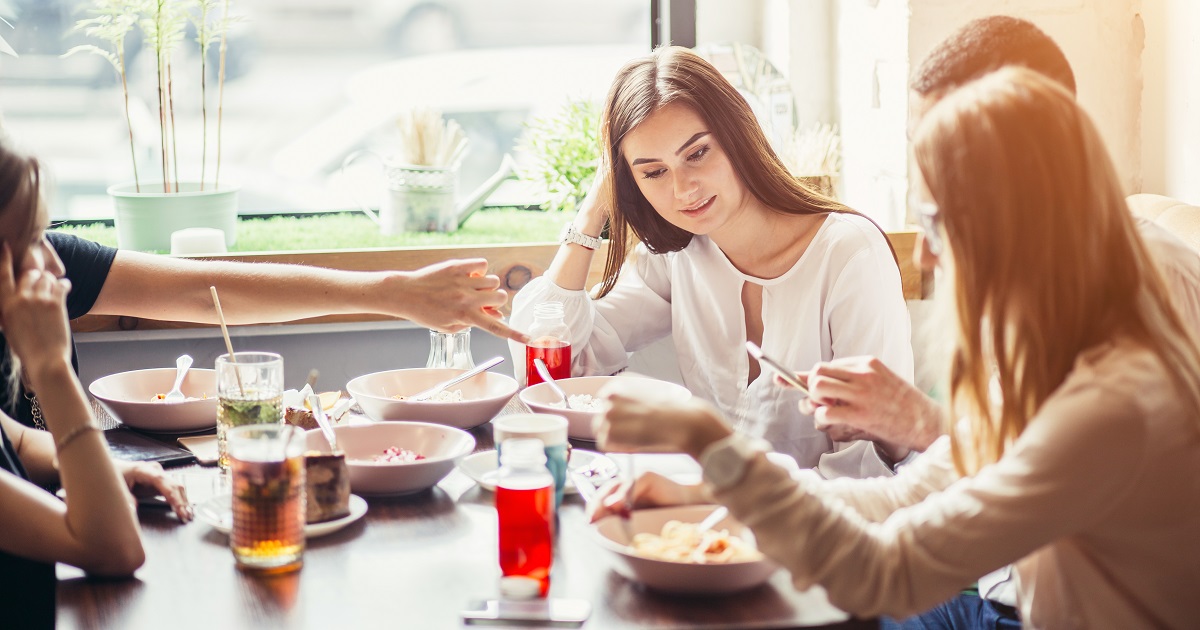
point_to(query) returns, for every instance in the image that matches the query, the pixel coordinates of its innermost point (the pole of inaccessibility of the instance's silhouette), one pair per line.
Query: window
(308, 82)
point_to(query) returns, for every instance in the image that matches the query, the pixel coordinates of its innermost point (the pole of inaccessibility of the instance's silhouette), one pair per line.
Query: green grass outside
(494, 226)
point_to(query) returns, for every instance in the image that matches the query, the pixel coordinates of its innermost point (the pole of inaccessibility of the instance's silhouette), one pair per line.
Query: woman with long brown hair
(1080, 466)
(732, 248)
(96, 527)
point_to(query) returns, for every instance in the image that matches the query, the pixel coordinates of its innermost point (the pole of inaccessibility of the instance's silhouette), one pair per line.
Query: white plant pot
(146, 219)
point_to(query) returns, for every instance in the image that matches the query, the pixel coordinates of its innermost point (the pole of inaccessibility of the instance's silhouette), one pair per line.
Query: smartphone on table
(776, 367)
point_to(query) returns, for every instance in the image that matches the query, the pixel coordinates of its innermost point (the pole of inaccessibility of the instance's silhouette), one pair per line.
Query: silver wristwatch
(723, 463)
(571, 235)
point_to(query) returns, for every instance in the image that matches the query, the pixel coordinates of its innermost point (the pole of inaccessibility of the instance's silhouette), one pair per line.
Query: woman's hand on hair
(650, 490)
(860, 398)
(149, 479)
(33, 315)
(596, 206)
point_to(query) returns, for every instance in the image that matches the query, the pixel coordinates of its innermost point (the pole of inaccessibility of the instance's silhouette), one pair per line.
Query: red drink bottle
(525, 511)
(551, 342)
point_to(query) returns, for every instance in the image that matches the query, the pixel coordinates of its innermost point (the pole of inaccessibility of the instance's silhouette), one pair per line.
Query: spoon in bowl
(433, 391)
(544, 372)
(181, 368)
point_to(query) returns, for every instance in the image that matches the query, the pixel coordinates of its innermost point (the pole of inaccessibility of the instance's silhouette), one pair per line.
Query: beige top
(1097, 503)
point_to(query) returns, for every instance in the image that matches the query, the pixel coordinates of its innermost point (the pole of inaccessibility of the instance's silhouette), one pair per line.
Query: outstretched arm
(450, 295)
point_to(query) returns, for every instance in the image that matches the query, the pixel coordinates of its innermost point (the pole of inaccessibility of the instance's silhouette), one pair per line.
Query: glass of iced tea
(249, 391)
(267, 465)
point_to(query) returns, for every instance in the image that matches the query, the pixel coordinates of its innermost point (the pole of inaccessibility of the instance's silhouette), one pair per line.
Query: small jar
(450, 350)
(525, 514)
(550, 341)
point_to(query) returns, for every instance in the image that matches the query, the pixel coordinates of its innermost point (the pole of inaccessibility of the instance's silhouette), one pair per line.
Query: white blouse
(842, 298)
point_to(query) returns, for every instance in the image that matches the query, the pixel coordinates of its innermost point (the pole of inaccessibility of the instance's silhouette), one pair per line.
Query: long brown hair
(678, 75)
(20, 190)
(1046, 259)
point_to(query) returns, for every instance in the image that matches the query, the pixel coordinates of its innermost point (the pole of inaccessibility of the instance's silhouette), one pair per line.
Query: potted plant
(152, 206)
(560, 152)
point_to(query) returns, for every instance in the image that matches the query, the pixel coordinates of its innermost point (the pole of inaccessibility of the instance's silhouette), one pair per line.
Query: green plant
(163, 22)
(560, 153)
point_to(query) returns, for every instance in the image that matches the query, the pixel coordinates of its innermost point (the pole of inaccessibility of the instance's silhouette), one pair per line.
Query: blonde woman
(1081, 469)
(730, 247)
(96, 528)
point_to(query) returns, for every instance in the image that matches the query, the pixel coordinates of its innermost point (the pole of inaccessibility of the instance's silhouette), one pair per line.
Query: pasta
(681, 542)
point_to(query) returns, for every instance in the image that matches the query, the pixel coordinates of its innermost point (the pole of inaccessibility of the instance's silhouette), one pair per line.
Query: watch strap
(571, 235)
(723, 463)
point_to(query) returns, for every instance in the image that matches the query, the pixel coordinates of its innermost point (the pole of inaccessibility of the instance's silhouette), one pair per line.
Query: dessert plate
(218, 513)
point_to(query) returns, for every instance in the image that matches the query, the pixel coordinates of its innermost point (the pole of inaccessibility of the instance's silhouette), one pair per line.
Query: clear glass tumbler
(249, 391)
(268, 483)
(450, 350)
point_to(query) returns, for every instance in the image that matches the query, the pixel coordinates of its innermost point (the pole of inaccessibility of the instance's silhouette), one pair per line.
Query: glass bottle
(525, 512)
(450, 350)
(550, 341)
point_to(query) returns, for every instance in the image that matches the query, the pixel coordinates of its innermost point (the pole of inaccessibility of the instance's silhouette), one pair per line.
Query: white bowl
(129, 397)
(441, 445)
(678, 577)
(483, 396)
(541, 399)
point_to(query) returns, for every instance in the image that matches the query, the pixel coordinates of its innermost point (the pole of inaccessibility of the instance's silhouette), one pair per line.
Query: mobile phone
(131, 446)
(784, 373)
(546, 613)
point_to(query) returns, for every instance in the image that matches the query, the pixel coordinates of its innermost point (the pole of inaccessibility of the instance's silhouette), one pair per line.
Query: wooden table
(411, 562)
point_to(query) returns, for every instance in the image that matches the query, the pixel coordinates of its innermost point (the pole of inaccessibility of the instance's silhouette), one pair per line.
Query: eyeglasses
(931, 223)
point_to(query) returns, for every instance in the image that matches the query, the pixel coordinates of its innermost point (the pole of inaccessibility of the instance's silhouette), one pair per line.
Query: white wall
(872, 105)
(1180, 111)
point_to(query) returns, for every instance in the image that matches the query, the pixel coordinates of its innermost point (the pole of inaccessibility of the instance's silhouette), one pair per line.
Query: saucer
(482, 468)
(218, 512)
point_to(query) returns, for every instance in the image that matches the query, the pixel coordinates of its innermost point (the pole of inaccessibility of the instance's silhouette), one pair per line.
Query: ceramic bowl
(441, 445)
(483, 395)
(130, 398)
(678, 577)
(542, 399)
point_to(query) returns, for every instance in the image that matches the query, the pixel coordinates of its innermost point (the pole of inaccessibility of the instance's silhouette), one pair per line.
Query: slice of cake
(328, 486)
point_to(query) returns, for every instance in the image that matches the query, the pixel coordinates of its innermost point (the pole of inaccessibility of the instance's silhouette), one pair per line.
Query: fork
(181, 367)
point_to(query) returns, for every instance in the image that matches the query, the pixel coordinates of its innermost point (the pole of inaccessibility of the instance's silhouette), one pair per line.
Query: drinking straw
(228, 344)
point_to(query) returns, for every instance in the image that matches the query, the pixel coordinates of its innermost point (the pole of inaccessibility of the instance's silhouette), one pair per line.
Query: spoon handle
(314, 401)
(544, 372)
(478, 369)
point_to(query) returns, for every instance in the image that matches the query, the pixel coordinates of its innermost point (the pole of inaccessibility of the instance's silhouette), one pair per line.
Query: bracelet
(571, 235)
(66, 440)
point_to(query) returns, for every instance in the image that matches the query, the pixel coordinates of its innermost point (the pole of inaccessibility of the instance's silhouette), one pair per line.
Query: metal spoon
(181, 367)
(544, 372)
(478, 369)
(314, 401)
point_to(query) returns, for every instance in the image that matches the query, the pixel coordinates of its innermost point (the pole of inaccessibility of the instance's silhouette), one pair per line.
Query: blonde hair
(1046, 259)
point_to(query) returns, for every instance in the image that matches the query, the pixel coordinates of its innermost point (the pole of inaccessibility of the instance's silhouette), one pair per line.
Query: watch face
(724, 466)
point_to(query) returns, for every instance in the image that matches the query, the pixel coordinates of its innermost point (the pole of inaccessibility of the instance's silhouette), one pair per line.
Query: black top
(27, 587)
(87, 266)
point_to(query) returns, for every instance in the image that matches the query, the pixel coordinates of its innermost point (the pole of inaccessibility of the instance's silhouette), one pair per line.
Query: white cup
(550, 429)
(197, 240)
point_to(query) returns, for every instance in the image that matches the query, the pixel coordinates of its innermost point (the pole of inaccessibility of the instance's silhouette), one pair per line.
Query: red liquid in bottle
(557, 355)
(526, 533)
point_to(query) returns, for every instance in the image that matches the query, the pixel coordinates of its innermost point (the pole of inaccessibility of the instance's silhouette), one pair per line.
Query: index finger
(494, 325)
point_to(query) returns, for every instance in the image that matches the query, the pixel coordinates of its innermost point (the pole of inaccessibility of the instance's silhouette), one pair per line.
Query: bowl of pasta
(663, 549)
